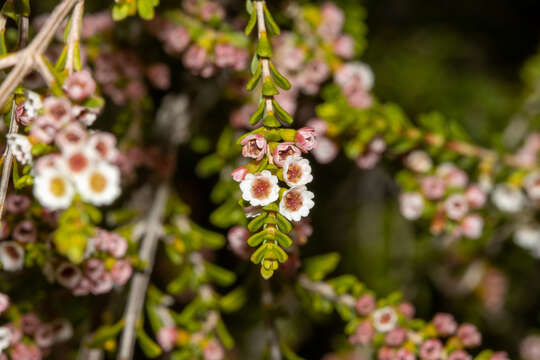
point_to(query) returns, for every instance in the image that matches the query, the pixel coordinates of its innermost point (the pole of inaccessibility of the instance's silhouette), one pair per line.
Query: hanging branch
(13, 124)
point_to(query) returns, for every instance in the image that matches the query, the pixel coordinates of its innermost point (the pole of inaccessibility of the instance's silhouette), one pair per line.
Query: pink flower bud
(121, 272)
(239, 174)
(363, 334)
(160, 76)
(431, 350)
(305, 139)
(469, 335)
(117, 246)
(433, 187)
(459, 355)
(254, 146)
(472, 226)
(29, 323)
(365, 305)
(166, 337)
(404, 354)
(213, 351)
(17, 204)
(476, 196)
(79, 85)
(344, 47)
(25, 232)
(4, 302)
(385, 353)
(456, 206)
(395, 337)
(94, 269)
(237, 238)
(283, 151)
(318, 125)
(407, 309)
(444, 324)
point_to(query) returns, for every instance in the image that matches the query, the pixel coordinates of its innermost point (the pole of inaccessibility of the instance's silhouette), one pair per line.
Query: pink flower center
(293, 201)
(294, 173)
(261, 188)
(78, 162)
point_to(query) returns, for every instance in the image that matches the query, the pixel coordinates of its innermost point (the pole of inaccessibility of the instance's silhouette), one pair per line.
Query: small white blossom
(508, 198)
(452, 175)
(5, 338)
(532, 185)
(297, 171)
(11, 256)
(260, 189)
(68, 275)
(52, 189)
(355, 72)
(385, 319)
(528, 238)
(472, 226)
(411, 205)
(419, 161)
(456, 206)
(32, 104)
(21, 148)
(296, 203)
(100, 185)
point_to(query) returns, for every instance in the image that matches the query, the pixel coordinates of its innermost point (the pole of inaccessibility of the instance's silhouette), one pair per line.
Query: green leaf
(283, 239)
(252, 21)
(249, 6)
(280, 254)
(234, 300)
(146, 9)
(259, 254)
(318, 267)
(180, 284)
(288, 353)
(271, 24)
(94, 102)
(284, 224)
(258, 114)
(271, 121)
(77, 64)
(280, 80)
(254, 79)
(257, 238)
(224, 335)
(105, 333)
(219, 275)
(255, 224)
(264, 48)
(148, 346)
(269, 89)
(209, 165)
(61, 62)
(283, 115)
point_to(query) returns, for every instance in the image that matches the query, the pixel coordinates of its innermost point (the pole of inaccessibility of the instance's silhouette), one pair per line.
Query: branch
(140, 281)
(326, 291)
(74, 35)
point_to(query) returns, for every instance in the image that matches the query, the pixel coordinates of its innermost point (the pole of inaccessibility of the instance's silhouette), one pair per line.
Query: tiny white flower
(77, 162)
(355, 71)
(21, 148)
(452, 175)
(528, 237)
(52, 189)
(104, 145)
(532, 185)
(11, 256)
(71, 137)
(385, 319)
(32, 104)
(411, 205)
(508, 198)
(419, 161)
(68, 275)
(297, 171)
(456, 206)
(260, 189)
(296, 203)
(472, 226)
(100, 185)
(5, 338)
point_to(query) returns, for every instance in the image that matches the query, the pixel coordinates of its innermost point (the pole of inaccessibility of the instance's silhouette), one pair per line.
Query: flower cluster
(85, 161)
(276, 156)
(104, 267)
(444, 194)
(388, 325)
(26, 336)
(193, 34)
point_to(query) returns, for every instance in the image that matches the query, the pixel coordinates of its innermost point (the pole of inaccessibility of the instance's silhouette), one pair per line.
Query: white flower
(72, 137)
(297, 171)
(357, 72)
(100, 185)
(78, 161)
(532, 185)
(5, 338)
(296, 203)
(419, 161)
(528, 237)
(411, 205)
(52, 189)
(4, 302)
(21, 148)
(11, 256)
(68, 275)
(260, 189)
(454, 176)
(384, 319)
(104, 144)
(508, 198)
(456, 206)
(32, 104)
(472, 226)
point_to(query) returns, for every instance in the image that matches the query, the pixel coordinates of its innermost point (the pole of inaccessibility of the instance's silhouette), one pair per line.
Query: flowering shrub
(117, 115)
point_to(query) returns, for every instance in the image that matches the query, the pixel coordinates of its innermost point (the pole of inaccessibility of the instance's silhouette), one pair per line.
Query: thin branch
(74, 35)
(13, 124)
(41, 67)
(27, 56)
(140, 281)
(326, 291)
